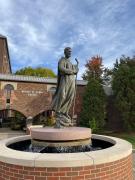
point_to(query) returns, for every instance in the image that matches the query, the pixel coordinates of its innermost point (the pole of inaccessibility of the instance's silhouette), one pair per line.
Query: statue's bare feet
(63, 121)
(67, 115)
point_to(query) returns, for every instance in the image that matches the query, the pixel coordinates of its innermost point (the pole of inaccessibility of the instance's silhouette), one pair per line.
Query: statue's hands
(76, 69)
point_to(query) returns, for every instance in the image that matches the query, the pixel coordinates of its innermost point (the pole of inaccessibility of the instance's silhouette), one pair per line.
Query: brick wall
(79, 98)
(33, 98)
(117, 170)
(4, 59)
(29, 98)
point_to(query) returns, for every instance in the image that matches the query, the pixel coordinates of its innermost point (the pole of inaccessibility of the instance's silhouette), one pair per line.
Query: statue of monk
(65, 91)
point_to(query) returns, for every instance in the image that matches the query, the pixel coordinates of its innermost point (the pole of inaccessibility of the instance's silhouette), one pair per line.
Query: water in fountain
(60, 149)
(28, 147)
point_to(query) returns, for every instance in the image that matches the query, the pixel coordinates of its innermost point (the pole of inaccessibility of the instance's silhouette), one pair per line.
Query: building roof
(4, 37)
(22, 78)
(1, 36)
(34, 79)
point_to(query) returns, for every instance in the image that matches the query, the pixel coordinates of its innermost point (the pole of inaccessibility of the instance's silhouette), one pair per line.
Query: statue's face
(68, 53)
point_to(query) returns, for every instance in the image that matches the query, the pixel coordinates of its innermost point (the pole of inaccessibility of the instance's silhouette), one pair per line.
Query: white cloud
(38, 32)
(81, 71)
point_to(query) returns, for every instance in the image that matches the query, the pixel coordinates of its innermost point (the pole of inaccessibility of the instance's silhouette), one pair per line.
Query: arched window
(8, 88)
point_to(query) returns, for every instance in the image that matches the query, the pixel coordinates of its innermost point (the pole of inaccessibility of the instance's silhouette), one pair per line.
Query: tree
(18, 122)
(116, 65)
(94, 101)
(93, 107)
(39, 71)
(107, 76)
(93, 68)
(123, 85)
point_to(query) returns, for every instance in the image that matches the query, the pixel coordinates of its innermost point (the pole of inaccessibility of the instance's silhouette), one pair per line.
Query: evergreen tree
(107, 76)
(93, 107)
(116, 65)
(124, 90)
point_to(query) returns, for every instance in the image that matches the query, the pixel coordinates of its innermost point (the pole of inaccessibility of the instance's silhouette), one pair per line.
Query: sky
(39, 30)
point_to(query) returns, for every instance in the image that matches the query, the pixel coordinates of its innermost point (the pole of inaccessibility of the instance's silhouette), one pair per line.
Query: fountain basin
(111, 163)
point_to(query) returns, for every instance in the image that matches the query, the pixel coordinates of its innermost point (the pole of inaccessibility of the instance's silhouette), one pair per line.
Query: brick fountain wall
(117, 170)
(113, 163)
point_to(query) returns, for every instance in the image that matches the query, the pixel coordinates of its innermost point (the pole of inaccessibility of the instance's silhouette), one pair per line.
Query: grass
(125, 135)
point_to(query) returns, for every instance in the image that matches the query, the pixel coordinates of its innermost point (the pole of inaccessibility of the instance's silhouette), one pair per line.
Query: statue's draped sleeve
(66, 68)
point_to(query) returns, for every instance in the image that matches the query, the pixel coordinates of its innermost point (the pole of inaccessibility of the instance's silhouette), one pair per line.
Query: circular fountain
(113, 162)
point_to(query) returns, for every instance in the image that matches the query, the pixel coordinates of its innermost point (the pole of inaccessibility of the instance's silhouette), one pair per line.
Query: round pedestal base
(36, 142)
(53, 137)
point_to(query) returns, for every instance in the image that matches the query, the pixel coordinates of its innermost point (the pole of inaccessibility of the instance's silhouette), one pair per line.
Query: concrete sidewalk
(7, 133)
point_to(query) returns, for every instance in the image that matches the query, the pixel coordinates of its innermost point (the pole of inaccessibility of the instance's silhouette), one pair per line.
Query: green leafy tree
(123, 85)
(18, 121)
(39, 71)
(116, 65)
(93, 107)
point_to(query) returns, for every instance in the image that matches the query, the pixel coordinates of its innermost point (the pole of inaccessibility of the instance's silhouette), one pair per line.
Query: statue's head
(67, 52)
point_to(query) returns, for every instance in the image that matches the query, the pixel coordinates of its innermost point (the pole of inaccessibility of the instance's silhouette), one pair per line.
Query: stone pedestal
(53, 137)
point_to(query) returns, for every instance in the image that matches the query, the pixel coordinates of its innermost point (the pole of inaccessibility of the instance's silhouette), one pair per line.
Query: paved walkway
(7, 133)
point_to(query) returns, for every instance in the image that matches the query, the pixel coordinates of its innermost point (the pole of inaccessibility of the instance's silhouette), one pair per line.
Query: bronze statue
(66, 87)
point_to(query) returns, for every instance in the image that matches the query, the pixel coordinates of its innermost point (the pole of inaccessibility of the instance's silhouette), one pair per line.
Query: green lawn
(127, 136)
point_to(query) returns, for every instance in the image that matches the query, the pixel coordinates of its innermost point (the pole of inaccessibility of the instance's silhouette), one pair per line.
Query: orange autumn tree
(94, 68)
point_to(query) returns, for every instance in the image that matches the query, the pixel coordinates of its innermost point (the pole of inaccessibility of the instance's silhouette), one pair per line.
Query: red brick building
(5, 66)
(31, 95)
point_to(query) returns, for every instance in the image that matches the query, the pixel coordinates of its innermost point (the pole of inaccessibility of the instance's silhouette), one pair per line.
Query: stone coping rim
(119, 150)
